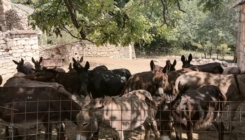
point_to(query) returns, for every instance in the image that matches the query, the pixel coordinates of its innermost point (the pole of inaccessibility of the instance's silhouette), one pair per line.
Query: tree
(111, 21)
(222, 49)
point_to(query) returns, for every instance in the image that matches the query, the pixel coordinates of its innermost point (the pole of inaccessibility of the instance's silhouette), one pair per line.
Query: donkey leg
(178, 135)
(220, 127)
(231, 115)
(14, 132)
(61, 133)
(96, 134)
(147, 130)
(189, 130)
(48, 131)
(154, 128)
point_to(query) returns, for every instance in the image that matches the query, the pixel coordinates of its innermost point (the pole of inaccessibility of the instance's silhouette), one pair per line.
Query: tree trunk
(235, 57)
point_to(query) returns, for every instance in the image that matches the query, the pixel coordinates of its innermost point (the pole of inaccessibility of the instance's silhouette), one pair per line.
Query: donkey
(91, 72)
(70, 81)
(117, 113)
(210, 67)
(20, 80)
(155, 81)
(24, 68)
(51, 104)
(103, 81)
(229, 85)
(167, 67)
(1, 79)
(38, 65)
(194, 110)
(232, 70)
(108, 83)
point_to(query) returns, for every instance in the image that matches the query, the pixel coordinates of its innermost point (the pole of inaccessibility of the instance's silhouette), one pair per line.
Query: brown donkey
(230, 85)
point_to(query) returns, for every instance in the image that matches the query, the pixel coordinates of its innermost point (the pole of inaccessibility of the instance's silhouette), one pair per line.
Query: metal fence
(32, 129)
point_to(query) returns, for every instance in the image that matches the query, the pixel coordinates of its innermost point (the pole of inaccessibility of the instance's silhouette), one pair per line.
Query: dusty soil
(135, 65)
(139, 65)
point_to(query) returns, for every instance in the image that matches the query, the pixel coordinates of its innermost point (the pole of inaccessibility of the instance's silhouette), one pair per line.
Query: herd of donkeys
(164, 99)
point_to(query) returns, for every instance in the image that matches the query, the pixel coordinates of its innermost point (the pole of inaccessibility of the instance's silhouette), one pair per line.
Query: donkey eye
(84, 124)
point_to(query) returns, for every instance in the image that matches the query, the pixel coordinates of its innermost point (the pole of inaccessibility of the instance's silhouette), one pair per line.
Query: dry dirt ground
(135, 65)
(139, 65)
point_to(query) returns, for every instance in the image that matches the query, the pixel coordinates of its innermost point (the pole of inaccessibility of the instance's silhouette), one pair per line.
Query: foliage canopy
(206, 25)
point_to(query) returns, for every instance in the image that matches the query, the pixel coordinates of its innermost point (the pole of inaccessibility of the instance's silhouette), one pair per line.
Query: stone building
(240, 49)
(17, 40)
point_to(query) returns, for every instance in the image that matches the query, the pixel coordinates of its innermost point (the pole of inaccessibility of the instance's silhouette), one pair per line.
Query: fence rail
(35, 130)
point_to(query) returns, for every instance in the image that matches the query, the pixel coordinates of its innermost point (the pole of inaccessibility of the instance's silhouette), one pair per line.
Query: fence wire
(27, 117)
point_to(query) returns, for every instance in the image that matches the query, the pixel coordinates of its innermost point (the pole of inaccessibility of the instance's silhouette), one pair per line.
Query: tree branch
(164, 12)
(178, 3)
(57, 8)
(72, 12)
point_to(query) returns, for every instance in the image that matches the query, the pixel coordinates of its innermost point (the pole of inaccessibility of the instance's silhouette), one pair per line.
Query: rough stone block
(21, 42)
(35, 46)
(3, 71)
(27, 47)
(17, 54)
(10, 44)
(2, 42)
(29, 54)
(17, 50)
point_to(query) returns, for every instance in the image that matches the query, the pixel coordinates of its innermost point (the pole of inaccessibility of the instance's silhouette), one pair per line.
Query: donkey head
(79, 60)
(19, 65)
(160, 81)
(23, 68)
(186, 63)
(83, 75)
(37, 63)
(87, 119)
(71, 69)
(169, 67)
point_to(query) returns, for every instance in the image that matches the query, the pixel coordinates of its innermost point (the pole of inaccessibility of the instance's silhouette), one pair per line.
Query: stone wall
(14, 45)
(67, 51)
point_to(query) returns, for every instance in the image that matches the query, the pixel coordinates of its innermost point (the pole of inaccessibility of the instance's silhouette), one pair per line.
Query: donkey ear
(190, 57)
(87, 65)
(15, 62)
(40, 60)
(76, 66)
(168, 63)
(152, 65)
(174, 63)
(183, 58)
(70, 66)
(22, 61)
(81, 59)
(74, 60)
(32, 59)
